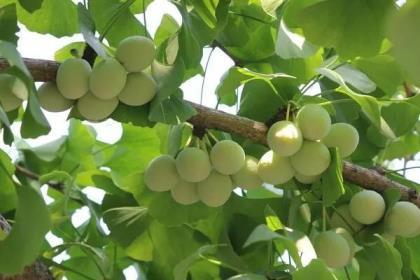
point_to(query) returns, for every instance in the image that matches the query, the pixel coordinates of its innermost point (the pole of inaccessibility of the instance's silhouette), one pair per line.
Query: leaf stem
(347, 273)
(204, 75)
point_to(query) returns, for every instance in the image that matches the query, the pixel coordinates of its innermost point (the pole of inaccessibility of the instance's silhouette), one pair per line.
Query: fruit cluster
(300, 149)
(98, 91)
(337, 246)
(12, 92)
(194, 175)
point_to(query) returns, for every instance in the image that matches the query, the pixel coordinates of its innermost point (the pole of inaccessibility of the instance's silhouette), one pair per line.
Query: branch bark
(45, 70)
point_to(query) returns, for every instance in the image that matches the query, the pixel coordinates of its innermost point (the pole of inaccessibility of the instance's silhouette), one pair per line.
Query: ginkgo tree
(293, 186)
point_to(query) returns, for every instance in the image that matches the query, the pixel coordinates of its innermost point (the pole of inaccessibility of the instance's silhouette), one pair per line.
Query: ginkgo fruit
(304, 179)
(227, 157)
(332, 248)
(95, 109)
(350, 241)
(107, 79)
(12, 92)
(215, 190)
(403, 219)
(51, 99)
(247, 177)
(136, 53)
(343, 136)
(139, 89)
(284, 138)
(275, 169)
(313, 121)
(160, 174)
(312, 159)
(185, 192)
(193, 164)
(367, 207)
(73, 78)
(342, 218)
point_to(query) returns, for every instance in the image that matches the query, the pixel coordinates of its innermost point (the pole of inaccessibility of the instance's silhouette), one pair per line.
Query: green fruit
(95, 109)
(247, 177)
(185, 193)
(341, 218)
(343, 136)
(284, 138)
(275, 169)
(51, 99)
(367, 207)
(136, 53)
(306, 179)
(313, 121)
(227, 157)
(403, 219)
(139, 89)
(107, 79)
(312, 159)
(73, 78)
(332, 248)
(215, 190)
(193, 164)
(161, 174)
(350, 241)
(12, 92)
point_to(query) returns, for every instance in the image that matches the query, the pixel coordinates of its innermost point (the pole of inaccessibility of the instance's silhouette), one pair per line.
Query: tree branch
(44, 70)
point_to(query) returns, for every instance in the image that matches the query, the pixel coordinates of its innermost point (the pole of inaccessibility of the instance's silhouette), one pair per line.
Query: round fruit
(73, 78)
(185, 192)
(403, 219)
(314, 122)
(215, 190)
(227, 157)
(342, 218)
(343, 136)
(51, 99)
(332, 248)
(312, 159)
(160, 174)
(275, 169)
(306, 179)
(95, 109)
(367, 207)
(139, 89)
(247, 177)
(193, 164)
(284, 138)
(350, 241)
(107, 79)
(135, 53)
(12, 92)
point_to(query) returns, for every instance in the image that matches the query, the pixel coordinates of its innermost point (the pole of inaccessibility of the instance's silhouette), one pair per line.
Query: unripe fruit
(284, 138)
(275, 169)
(312, 159)
(12, 92)
(367, 207)
(95, 109)
(139, 89)
(51, 99)
(350, 241)
(193, 164)
(215, 190)
(135, 53)
(332, 248)
(185, 193)
(227, 157)
(313, 121)
(306, 179)
(342, 218)
(343, 136)
(403, 219)
(247, 177)
(107, 79)
(73, 78)
(160, 175)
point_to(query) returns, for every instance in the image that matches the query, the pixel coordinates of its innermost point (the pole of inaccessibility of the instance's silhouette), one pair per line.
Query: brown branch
(29, 174)
(43, 70)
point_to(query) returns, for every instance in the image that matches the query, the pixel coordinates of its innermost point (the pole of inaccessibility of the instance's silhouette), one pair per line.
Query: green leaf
(332, 180)
(8, 23)
(355, 78)
(139, 6)
(173, 110)
(71, 50)
(31, 5)
(272, 220)
(414, 248)
(403, 146)
(401, 117)
(316, 267)
(325, 22)
(31, 217)
(247, 277)
(167, 28)
(8, 196)
(136, 115)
